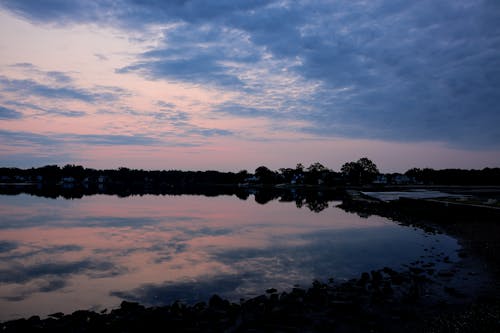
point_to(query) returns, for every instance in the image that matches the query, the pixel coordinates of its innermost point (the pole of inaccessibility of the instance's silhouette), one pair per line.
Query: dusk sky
(233, 85)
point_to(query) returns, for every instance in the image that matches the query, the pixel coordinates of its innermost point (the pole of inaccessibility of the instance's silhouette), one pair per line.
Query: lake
(94, 252)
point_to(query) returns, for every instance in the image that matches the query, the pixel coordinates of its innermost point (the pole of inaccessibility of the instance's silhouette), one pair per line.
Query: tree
(265, 175)
(316, 167)
(242, 175)
(299, 167)
(368, 166)
(362, 171)
(315, 173)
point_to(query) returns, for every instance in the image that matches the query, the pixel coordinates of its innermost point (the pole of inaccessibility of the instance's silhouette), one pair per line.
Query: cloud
(12, 221)
(111, 222)
(46, 111)
(52, 285)
(60, 77)
(389, 70)
(6, 113)
(209, 132)
(50, 250)
(200, 69)
(24, 273)
(163, 251)
(202, 54)
(181, 121)
(240, 110)
(53, 76)
(111, 139)
(127, 13)
(18, 138)
(334, 253)
(28, 87)
(67, 113)
(7, 246)
(188, 291)
(173, 116)
(57, 12)
(45, 286)
(101, 57)
(37, 158)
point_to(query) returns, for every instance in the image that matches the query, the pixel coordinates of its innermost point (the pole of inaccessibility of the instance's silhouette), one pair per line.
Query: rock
(446, 274)
(453, 292)
(271, 291)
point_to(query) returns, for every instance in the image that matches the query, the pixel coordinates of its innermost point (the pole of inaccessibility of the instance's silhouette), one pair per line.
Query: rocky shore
(378, 301)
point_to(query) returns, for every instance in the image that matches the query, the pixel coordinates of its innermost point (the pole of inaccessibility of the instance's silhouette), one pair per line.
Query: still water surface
(94, 252)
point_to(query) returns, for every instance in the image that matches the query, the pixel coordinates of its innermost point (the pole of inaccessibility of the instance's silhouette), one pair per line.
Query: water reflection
(63, 255)
(313, 199)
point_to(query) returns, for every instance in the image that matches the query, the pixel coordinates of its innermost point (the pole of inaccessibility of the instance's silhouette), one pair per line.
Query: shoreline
(381, 301)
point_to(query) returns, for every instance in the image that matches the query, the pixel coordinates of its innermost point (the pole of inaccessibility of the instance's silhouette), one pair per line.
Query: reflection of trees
(263, 197)
(243, 195)
(315, 201)
(317, 206)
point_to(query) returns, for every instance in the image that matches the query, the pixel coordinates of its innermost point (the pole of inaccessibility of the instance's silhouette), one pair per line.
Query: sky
(232, 85)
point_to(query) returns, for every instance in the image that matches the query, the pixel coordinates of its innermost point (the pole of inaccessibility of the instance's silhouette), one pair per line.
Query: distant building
(252, 179)
(20, 178)
(400, 179)
(68, 180)
(297, 179)
(380, 179)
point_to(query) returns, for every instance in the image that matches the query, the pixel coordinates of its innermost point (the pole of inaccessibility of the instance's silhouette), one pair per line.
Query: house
(20, 179)
(252, 179)
(400, 179)
(297, 179)
(380, 179)
(68, 180)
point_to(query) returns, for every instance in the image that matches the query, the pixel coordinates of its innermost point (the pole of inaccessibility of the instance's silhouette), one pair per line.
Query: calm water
(91, 253)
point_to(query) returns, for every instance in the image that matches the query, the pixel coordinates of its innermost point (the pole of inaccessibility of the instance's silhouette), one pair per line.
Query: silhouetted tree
(299, 167)
(315, 174)
(362, 171)
(265, 175)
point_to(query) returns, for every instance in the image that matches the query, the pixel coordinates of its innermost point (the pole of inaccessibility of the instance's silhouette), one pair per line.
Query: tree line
(360, 172)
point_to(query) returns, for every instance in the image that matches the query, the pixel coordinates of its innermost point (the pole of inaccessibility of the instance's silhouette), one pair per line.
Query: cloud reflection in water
(63, 255)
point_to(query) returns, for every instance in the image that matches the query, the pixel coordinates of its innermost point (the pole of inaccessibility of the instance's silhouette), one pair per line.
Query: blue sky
(236, 84)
